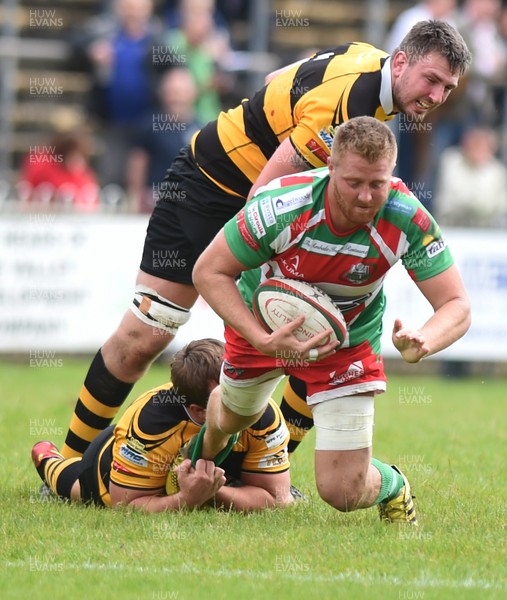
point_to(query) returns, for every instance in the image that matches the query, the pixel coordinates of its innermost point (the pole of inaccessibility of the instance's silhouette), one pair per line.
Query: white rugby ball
(279, 300)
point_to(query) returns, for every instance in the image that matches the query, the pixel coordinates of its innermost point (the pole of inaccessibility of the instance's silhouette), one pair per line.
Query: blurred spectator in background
(203, 49)
(225, 13)
(479, 25)
(164, 134)
(119, 52)
(414, 137)
(440, 10)
(480, 100)
(472, 183)
(59, 173)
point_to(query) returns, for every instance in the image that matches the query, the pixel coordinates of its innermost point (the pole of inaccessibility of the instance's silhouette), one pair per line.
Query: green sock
(195, 448)
(391, 481)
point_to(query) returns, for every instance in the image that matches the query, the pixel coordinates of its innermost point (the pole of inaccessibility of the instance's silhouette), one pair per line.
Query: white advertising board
(66, 280)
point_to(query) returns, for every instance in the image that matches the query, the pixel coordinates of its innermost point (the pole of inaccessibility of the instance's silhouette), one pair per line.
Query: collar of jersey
(386, 87)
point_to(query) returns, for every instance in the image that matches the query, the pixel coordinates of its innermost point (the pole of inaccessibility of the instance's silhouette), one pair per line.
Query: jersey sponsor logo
(422, 220)
(231, 370)
(245, 232)
(316, 148)
(354, 370)
(291, 266)
(255, 221)
(400, 207)
(133, 457)
(435, 247)
(346, 304)
(359, 250)
(120, 468)
(326, 135)
(134, 444)
(277, 437)
(321, 247)
(358, 273)
(274, 460)
(293, 200)
(267, 211)
(427, 239)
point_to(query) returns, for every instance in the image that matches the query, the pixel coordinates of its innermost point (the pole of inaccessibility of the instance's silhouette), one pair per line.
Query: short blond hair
(365, 136)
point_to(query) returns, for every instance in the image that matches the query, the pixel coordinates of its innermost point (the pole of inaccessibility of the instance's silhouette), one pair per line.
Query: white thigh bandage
(158, 312)
(344, 423)
(250, 396)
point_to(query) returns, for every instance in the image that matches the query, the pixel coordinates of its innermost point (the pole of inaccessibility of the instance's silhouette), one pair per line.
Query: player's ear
(197, 413)
(399, 60)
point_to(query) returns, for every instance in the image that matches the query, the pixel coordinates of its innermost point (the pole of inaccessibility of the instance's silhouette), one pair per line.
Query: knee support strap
(345, 423)
(154, 310)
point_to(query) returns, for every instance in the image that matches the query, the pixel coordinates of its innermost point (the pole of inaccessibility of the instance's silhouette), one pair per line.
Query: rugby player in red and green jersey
(341, 228)
(285, 127)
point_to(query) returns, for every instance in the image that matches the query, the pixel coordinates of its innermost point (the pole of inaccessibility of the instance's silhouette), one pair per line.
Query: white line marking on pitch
(289, 572)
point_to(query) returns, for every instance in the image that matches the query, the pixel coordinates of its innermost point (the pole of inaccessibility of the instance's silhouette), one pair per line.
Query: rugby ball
(279, 300)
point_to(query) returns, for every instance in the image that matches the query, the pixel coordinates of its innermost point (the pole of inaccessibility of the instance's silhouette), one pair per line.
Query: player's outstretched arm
(259, 491)
(197, 486)
(449, 322)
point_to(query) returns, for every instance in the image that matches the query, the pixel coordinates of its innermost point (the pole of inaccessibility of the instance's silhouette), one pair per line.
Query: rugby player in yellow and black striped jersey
(129, 463)
(284, 128)
(302, 104)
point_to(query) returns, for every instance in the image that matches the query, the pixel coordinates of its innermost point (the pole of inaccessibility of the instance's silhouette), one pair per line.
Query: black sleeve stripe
(309, 76)
(261, 472)
(364, 95)
(311, 73)
(300, 155)
(267, 419)
(220, 168)
(256, 124)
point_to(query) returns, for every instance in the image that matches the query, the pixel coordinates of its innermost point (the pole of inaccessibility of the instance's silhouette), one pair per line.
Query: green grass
(448, 435)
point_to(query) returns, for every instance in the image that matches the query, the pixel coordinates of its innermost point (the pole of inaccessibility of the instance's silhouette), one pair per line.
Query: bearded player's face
(422, 86)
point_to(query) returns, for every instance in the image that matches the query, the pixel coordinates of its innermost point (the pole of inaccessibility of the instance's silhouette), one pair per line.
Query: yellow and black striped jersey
(305, 102)
(156, 425)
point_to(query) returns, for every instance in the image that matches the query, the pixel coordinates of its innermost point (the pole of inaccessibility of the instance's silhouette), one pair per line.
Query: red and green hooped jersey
(286, 231)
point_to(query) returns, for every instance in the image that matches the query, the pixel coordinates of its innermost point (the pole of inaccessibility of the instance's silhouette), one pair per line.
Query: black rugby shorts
(189, 212)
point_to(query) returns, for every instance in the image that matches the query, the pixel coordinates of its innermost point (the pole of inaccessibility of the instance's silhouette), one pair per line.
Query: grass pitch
(449, 436)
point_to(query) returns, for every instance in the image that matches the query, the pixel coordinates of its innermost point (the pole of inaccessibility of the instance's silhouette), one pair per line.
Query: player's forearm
(447, 325)
(156, 504)
(249, 498)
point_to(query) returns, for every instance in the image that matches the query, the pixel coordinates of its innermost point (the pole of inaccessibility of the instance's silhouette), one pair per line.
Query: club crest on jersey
(358, 273)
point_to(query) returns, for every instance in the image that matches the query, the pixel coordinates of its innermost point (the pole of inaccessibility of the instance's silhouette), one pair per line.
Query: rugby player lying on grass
(135, 462)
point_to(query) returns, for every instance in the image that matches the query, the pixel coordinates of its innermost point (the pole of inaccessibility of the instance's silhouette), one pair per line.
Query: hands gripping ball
(278, 300)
